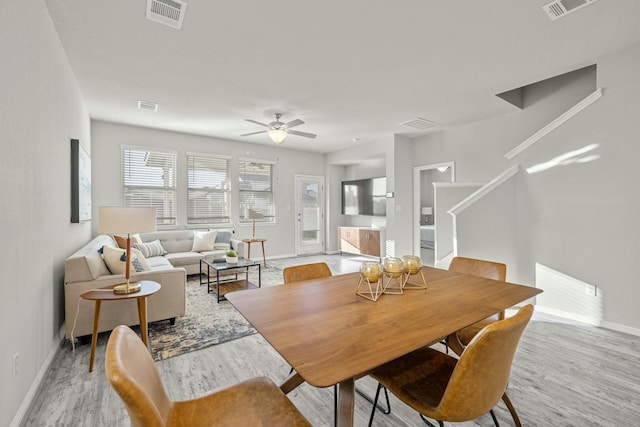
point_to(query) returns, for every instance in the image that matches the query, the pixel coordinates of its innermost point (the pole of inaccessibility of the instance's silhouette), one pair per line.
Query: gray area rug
(205, 322)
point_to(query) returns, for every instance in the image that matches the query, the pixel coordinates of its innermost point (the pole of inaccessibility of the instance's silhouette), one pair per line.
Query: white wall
(579, 218)
(108, 138)
(40, 112)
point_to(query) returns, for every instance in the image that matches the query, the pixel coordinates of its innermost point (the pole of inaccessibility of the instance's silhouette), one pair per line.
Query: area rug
(205, 322)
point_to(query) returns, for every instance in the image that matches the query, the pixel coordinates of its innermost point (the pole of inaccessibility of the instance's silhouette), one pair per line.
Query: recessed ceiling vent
(146, 105)
(560, 8)
(419, 124)
(167, 12)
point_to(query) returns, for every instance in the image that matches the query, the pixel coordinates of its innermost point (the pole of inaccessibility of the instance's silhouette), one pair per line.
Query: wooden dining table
(329, 335)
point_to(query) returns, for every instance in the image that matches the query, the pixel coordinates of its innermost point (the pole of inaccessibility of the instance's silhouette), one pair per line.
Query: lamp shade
(126, 220)
(277, 135)
(427, 210)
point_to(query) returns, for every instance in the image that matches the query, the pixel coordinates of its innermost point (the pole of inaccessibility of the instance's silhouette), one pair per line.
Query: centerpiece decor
(231, 257)
(413, 266)
(394, 272)
(370, 274)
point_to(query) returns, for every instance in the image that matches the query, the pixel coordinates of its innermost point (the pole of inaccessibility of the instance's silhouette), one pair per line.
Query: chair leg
(375, 403)
(429, 423)
(512, 410)
(335, 405)
(495, 420)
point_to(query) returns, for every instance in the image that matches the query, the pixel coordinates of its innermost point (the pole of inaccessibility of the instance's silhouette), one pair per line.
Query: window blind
(149, 180)
(256, 190)
(208, 190)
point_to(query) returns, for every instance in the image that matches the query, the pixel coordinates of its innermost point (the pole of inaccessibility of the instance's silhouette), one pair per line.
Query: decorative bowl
(370, 271)
(393, 267)
(412, 264)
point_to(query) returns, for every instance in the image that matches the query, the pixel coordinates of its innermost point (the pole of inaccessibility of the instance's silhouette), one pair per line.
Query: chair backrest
(297, 273)
(134, 376)
(481, 375)
(479, 267)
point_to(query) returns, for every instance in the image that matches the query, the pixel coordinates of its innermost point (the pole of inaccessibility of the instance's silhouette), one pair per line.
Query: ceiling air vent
(167, 12)
(146, 105)
(419, 124)
(560, 8)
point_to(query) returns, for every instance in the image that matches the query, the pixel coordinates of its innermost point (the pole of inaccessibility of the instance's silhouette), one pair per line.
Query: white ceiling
(349, 69)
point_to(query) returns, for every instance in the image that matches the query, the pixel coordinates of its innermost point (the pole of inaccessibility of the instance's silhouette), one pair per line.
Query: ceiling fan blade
(258, 123)
(292, 123)
(305, 134)
(254, 133)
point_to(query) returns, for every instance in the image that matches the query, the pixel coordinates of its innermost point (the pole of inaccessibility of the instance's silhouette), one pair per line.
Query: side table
(254, 240)
(148, 288)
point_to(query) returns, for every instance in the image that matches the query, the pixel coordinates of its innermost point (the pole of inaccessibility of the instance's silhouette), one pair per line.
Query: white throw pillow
(113, 259)
(203, 240)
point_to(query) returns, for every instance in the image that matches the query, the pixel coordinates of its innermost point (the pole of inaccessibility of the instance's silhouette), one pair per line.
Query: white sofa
(86, 270)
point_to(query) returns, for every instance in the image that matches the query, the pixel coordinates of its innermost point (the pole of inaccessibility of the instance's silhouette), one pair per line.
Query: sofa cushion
(150, 249)
(141, 258)
(180, 259)
(203, 240)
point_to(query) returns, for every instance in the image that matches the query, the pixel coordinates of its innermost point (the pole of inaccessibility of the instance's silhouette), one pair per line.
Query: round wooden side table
(148, 288)
(254, 240)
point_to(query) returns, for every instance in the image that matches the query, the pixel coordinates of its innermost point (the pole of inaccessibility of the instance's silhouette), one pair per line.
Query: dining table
(329, 335)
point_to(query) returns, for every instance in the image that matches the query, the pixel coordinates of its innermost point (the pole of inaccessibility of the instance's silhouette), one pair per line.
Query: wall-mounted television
(365, 197)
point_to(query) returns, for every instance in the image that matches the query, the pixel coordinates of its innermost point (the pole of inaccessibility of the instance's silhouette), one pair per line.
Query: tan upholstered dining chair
(444, 388)
(298, 273)
(134, 376)
(490, 270)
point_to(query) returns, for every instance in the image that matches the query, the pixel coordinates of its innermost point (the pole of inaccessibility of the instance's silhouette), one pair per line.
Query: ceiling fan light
(277, 135)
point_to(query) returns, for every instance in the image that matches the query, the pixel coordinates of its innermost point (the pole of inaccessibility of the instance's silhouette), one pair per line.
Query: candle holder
(413, 266)
(393, 271)
(370, 274)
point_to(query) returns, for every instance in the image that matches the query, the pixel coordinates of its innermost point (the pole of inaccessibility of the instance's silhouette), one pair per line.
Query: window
(256, 191)
(149, 180)
(208, 189)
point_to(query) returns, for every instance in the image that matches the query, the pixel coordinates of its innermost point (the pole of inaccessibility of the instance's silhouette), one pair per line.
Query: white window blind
(256, 191)
(208, 190)
(149, 180)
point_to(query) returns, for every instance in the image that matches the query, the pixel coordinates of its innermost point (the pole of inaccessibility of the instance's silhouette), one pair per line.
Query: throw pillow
(150, 249)
(137, 256)
(203, 240)
(114, 258)
(223, 240)
(122, 241)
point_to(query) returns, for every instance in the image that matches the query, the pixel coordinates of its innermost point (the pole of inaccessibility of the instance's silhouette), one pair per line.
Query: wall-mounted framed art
(80, 183)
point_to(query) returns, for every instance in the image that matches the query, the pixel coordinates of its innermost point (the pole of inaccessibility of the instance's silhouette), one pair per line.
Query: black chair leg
(335, 405)
(375, 403)
(495, 420)
(429, 423)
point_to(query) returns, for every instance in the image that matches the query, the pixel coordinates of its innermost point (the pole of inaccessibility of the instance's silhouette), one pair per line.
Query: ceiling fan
(278, 130)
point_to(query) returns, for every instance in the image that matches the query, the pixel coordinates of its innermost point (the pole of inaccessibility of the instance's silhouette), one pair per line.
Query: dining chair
(301, 272)
(489, 270)
(134, 376)
(444, 388)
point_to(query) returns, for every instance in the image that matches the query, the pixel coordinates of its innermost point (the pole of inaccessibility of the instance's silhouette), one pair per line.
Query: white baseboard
(18, 419)
(602, 324)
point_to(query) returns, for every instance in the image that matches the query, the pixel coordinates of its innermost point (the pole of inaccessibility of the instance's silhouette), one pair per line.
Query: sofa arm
(169, 302)
(239, 246)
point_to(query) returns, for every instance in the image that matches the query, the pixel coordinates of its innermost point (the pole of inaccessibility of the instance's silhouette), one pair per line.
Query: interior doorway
(424, 207)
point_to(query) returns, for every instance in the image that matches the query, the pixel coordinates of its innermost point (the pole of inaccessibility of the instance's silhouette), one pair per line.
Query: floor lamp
(126, 220)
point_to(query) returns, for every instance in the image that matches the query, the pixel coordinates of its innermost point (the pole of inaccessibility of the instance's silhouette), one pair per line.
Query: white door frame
(300, 249)
(417, 191)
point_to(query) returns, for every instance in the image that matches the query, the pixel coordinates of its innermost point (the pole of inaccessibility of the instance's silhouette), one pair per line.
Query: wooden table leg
(94, 337)
(345, 403)
(264, 258)
(291, 382)
(248, 250)
(142, 315)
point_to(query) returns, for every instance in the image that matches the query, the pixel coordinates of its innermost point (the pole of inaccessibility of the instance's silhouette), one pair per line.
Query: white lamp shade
(427, 210)
(126, 220)
(277, 135)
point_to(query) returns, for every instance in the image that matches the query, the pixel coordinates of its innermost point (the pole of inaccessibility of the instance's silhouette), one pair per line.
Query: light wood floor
(564, 374)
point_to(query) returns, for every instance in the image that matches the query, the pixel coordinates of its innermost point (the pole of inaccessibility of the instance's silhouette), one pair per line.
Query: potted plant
(231, 257)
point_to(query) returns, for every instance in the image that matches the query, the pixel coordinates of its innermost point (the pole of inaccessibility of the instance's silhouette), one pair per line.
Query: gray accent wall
(41, 110)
